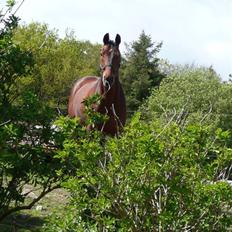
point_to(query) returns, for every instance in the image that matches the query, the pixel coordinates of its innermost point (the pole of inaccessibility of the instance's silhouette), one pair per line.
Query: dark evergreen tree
(140, 71)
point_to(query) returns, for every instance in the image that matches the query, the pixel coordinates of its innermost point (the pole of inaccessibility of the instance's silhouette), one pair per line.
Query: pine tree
(140, 71)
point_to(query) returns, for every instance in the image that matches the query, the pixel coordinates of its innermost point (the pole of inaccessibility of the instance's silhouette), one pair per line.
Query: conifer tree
(140, 71)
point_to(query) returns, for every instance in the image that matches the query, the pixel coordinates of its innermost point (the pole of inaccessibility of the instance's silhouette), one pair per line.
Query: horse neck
(116, 76)
(111, 90)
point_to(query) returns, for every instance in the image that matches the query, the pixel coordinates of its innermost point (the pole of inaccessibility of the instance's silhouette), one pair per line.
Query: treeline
(168, 171)
(59, 62)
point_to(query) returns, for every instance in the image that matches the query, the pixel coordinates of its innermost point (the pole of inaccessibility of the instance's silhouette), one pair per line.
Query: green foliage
(58, 62)
(28, 139)
(26, 156)
(195, 94)
(14, 64)
(10, 3)
(140, 70)
(35, 151)
(94, 117)
(150, 179)
(224, 106)
(166, 173)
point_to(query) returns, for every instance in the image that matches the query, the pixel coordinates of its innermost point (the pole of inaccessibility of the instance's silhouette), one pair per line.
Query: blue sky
(192, 31)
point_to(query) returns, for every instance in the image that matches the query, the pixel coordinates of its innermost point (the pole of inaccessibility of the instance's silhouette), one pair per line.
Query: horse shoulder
(81, 82)
(83, 88)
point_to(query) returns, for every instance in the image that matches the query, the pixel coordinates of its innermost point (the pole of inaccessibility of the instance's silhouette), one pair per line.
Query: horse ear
(106, 38)
(117, 39)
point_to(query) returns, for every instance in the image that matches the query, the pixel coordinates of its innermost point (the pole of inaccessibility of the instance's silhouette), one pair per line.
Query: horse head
(110, 57)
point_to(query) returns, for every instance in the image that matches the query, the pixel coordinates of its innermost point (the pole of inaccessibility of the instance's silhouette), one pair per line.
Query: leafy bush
(27, 149)
(150, 179)
(195, 94)
(188, 89)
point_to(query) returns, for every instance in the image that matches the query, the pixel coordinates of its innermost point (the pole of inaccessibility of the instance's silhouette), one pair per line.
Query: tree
(224, 106)
(14, 63)
(195, 92)
(58, 62)
(28, 139)
(140, 71)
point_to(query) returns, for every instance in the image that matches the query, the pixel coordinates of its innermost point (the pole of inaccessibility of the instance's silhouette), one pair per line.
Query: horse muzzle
(107, 71)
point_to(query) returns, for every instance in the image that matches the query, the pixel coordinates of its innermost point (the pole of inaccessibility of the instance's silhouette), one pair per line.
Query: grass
(34, 219)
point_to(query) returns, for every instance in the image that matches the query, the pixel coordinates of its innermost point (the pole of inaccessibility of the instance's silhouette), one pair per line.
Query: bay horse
(108, 86)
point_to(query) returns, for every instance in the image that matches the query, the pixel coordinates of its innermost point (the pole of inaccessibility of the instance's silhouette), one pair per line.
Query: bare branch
(208, 113)
(165, 112)
(166, 126)
(30, 205)
(4, 123)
